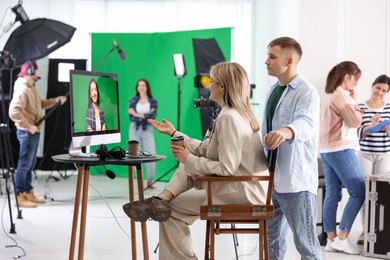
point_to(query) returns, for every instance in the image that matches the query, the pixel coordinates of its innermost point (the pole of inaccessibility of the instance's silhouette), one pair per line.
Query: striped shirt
(377, 142)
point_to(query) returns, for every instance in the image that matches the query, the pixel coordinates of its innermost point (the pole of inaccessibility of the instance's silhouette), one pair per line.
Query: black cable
(5, 232)
(49, 143)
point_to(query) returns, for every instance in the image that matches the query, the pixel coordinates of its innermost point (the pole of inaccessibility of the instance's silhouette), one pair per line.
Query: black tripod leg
(162, 176)
(11, 167)
(7, 170)
(155, 250)
(12, 229)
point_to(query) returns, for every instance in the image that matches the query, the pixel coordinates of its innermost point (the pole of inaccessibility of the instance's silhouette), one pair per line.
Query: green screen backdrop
(149, 56)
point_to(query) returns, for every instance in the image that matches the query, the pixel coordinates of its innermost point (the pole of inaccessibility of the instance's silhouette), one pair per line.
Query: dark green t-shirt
(271, 105)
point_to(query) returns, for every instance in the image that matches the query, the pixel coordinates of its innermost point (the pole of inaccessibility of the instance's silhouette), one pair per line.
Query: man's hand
(32, 129)
(61, 99)
(274, 138)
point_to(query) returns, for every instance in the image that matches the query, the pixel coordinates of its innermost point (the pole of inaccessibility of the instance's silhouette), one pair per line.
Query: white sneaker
(329, 247)
(345, 246)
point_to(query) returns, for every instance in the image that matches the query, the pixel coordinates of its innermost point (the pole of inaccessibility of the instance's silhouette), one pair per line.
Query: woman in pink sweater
(339, 118)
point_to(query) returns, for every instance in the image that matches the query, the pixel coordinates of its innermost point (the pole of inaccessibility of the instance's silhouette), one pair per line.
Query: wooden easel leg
(84, 205)
(132, 222)
(143, 224)
(80, 175)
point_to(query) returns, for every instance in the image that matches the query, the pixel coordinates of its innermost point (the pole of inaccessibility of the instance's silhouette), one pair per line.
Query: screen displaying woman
(95, 115)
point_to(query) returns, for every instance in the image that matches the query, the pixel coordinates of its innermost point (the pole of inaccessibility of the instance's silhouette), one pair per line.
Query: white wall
(335, 30)
(330, 31)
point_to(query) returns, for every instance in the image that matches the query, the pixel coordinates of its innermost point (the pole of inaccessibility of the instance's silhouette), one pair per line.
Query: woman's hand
(375, 119)
(387, 129)
(179, 152)
(164, 127)
(352, 93)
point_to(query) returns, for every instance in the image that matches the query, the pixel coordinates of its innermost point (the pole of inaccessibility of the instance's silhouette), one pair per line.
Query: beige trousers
(175, 237)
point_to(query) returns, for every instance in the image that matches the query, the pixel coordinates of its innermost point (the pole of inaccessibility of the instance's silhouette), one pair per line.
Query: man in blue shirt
(291, 124)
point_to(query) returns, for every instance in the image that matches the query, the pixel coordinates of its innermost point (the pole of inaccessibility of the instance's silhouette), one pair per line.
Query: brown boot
(24, 203)
(31, 197)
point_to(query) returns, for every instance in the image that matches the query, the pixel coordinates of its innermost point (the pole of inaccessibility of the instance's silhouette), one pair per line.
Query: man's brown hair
(287, 43)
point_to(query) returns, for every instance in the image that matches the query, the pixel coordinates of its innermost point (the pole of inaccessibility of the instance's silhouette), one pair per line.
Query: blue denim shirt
(299, 109)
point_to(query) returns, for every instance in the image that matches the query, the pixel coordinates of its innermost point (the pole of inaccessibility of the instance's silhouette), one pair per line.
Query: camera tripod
(7, 163)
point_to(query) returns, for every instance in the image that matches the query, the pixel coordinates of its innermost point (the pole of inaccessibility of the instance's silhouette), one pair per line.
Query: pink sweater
(339, 118)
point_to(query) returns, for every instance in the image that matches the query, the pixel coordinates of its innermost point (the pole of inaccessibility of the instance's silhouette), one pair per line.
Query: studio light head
(21, 15)
(202, 80)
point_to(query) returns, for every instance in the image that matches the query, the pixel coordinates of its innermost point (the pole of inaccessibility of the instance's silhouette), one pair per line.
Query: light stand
(179, 72)
(122, 55)
(178, 102)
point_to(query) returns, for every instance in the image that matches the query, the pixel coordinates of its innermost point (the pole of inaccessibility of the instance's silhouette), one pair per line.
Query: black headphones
(31, 70)
(115, 153)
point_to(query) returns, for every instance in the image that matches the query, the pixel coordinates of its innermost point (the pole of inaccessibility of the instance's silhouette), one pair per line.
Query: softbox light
(37, 38)
(179, 65)
(207, 53)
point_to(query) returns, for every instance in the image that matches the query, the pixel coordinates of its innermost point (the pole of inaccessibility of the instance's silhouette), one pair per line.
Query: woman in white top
(141, 108)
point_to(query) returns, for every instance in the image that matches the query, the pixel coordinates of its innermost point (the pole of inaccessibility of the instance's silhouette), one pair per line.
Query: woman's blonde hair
(234, 79)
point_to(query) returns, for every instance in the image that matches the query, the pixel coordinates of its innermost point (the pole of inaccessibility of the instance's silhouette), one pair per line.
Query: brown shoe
(24, 203)
(154, 208)
(31, 197)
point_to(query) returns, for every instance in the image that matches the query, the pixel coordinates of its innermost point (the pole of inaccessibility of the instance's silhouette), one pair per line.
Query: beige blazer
(232, 150)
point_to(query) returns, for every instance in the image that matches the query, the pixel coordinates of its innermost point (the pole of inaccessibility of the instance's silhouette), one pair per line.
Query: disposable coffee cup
(177, 140)
(133, 148)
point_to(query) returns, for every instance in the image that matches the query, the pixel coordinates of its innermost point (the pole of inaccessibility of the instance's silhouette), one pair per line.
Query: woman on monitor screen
(95, 115)
(141, 108)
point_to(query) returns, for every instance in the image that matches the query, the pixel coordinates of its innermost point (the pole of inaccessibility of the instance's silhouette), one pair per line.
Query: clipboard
(378, 127)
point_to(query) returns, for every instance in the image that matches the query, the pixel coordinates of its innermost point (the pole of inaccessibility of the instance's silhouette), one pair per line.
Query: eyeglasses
(144, 153)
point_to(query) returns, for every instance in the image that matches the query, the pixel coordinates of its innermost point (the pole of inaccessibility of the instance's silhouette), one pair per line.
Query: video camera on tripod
(204, 103)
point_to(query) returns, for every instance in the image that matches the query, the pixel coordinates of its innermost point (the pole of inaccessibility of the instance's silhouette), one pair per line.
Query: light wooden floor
(44, 232)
